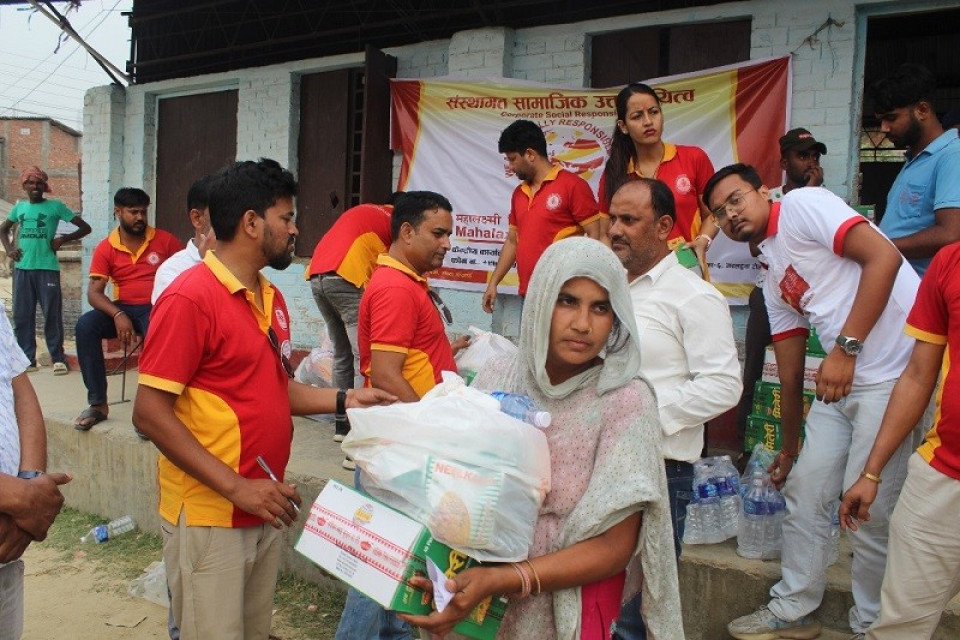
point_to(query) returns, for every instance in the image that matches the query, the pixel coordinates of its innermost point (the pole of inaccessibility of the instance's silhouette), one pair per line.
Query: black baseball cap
(801, 140)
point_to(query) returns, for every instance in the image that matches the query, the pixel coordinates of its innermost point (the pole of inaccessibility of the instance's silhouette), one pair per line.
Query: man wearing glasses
(403, 347)
(830, 268)
(216, 397)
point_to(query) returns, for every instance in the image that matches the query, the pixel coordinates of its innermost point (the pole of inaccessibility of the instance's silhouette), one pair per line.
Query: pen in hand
(266, 468)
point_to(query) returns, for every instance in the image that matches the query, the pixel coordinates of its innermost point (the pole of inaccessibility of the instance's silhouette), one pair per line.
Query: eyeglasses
(735, 203)
(442, 308)
(275, 343)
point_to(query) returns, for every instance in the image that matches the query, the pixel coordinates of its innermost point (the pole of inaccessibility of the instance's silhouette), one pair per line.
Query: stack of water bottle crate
(763, 424)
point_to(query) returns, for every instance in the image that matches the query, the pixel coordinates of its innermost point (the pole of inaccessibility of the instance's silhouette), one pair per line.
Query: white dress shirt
(687, 353)
(173, 267)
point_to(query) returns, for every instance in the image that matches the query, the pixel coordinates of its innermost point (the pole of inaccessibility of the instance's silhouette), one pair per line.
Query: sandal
(60, 369)
(87, 418)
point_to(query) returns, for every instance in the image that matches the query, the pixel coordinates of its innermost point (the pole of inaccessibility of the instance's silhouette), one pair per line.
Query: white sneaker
(349, 464)
(762, 624)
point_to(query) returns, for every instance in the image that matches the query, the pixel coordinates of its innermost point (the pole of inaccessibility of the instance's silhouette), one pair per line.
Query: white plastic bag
(483, 346)
(453, 461)
(151, 584)
(317, 368)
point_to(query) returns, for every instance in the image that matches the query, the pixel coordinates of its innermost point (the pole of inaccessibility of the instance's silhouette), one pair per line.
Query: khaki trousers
(221, 580)
(923, 556)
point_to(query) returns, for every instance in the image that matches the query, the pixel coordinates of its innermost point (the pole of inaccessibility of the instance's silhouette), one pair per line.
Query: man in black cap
(800, 160)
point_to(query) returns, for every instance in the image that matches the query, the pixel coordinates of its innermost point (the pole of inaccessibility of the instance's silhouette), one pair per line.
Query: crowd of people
(631, 352)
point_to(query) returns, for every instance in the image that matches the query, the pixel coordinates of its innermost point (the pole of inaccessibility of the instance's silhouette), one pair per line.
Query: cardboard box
(767, 431)
(376, 550)
(766, 401)
(772, 374)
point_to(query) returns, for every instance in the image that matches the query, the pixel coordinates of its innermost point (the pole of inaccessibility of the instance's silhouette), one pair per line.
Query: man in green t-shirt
(36, 276)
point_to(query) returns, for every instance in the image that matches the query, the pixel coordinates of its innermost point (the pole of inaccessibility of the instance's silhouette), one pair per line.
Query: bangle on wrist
(872, 477)
(792, 456)
(118, 313)
(536, 576)
(709, 239)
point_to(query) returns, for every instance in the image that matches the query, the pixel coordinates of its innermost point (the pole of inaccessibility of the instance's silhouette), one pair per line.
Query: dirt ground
(72, 599)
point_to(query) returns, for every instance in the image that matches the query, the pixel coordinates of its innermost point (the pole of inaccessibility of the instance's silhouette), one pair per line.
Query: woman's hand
(469, 588)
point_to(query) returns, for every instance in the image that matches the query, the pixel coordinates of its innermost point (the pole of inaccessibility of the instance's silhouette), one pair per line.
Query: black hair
(198, 197)
(245, 186)
(130, 197)
(622, 149)
(618, 337)
(661, 198)
(906, 85)
(411, 206)
(745, 171)
(523, 135)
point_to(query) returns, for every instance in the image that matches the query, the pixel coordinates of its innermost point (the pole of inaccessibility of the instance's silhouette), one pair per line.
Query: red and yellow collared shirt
(351, 246)
(559, 209)
(132, 273)
(208, 344)
(398, 315)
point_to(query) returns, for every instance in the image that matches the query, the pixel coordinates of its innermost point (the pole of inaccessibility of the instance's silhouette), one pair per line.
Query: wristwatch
(29, 475)
(850, 346)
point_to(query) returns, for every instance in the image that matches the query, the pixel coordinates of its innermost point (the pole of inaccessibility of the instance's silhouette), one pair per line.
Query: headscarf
(37, 173)
(623, 470)
(563, 261)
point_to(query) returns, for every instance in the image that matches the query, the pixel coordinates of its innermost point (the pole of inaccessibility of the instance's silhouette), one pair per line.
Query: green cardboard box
(766, 401)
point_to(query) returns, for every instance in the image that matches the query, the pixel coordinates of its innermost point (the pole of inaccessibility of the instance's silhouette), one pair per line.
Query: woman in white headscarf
(604, 531)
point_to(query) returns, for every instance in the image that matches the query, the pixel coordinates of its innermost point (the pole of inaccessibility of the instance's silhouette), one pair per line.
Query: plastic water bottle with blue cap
(521, 407)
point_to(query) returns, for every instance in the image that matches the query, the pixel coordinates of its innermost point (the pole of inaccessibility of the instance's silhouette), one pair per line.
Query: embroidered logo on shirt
(793, 288)
(682, 184)
(153, 258)
(554, 201)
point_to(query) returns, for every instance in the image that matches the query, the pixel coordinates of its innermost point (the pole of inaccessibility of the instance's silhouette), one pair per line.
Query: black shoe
(341, 428)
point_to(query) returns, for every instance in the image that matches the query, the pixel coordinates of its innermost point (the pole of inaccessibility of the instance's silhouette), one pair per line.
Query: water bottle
(103, 532)
(833, 544)
(750, 539)
(709, 499)
(523, 408)
(773, 535)
(730, 507)
(693, 524)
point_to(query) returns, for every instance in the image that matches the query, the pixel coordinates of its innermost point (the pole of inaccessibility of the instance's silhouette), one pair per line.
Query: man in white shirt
(204, 238)
(29, 498)
(832, 269)
(686, 342)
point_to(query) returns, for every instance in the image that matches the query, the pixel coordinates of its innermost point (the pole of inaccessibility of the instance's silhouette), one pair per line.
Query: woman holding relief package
(603, 532)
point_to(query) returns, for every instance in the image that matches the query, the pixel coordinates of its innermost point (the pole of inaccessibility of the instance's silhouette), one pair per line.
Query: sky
(38, 80)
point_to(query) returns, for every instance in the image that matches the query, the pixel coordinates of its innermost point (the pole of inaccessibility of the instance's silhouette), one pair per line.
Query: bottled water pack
(714, 513)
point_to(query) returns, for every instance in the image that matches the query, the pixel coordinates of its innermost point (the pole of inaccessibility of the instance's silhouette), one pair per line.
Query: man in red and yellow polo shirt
(341, 266)
(549, 204)
(128, 258)
(403, 346)
(923, 559)
(215, 393)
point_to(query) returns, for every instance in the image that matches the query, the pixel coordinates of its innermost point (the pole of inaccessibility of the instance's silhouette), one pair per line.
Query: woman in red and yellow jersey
(638, 151)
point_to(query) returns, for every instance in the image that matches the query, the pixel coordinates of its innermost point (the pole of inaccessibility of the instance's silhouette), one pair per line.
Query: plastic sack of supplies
(317, 368)
(453, 461)
(483, 346)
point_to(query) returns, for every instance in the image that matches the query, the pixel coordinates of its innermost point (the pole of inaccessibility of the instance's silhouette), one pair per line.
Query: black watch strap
(341, 404)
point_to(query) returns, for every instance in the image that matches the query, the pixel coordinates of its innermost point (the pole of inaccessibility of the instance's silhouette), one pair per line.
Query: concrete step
(115, 474)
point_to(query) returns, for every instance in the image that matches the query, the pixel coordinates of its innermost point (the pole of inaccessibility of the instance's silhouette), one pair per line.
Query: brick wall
(38, 141)
(120, 127)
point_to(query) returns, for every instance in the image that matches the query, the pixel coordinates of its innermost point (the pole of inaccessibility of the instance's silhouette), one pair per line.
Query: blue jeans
(364, 619)
(32, 287)
(92, 328)
(680, 489)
